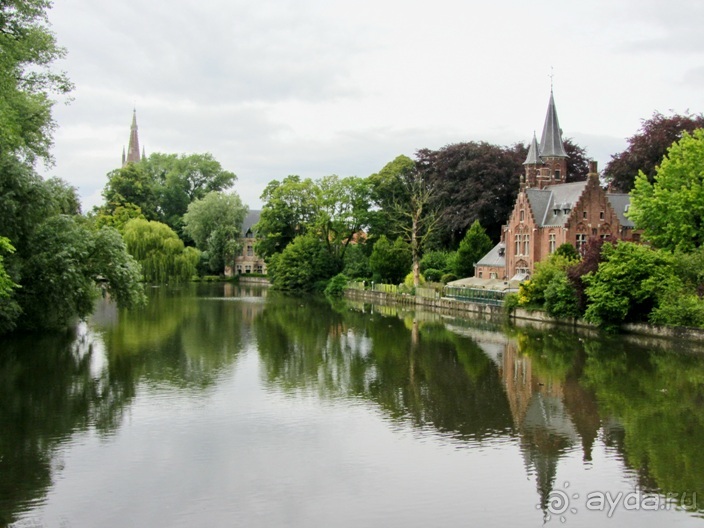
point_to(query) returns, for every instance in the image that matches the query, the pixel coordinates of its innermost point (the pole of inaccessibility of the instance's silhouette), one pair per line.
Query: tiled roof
(561, 197)
(496, 257)
(620, 203)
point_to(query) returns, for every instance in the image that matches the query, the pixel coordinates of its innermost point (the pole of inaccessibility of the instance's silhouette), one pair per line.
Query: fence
(356, 285)
(494, 297)
(386, 288)
(428, 293)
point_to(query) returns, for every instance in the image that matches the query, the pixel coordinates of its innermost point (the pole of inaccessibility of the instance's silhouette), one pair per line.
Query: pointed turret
(533, 158)
(133, 147)
(551, 145)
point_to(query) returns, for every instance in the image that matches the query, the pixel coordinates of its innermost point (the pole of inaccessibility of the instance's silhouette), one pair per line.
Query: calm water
(221, 406)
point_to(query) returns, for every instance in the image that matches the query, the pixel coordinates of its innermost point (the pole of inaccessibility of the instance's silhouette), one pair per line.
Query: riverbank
(520, 315)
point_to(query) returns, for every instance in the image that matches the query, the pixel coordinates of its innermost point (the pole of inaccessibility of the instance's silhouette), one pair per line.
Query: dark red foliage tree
(591, 257)
(647, 148)
(472, 181)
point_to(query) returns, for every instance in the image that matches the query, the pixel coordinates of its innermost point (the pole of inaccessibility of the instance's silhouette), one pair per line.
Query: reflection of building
(551, 415)
(133, 155)
(549, 212)
(248, 261)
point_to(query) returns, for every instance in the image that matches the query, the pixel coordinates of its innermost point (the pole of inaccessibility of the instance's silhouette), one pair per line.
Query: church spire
(133, 147)
(551, 145)
(533, 158)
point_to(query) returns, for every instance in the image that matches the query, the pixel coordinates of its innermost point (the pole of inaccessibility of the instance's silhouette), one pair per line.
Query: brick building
(248, 261)
(549, 212)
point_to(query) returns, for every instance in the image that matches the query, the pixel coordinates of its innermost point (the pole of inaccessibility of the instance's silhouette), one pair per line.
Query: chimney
(593, 171)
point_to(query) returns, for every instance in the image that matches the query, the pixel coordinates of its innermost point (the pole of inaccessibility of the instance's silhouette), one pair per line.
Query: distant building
(133, 155)
(549, 212)
(248, 261)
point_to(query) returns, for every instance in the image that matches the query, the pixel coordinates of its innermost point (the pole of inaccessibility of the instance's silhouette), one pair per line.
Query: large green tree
(670, 210)
(647, 147)
(29, 84)
(290, 207)
(160, 252)
(215, 224)
(475, 244)
(59, 264)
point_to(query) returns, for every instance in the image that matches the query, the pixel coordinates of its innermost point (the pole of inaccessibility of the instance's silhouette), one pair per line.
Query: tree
(28, 82)
(647, 148)
(131, 185)
(390, 263)
(160, 253)
(9, 308)
(627, 284)
(577, 161)
(671, 209)
(215, 224)
(475, 244)
(69, 265)
(387, 191)
(289, 208)
(304, 265)
(182, 179)
(471, 181)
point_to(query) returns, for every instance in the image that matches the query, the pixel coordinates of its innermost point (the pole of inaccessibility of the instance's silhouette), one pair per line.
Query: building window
(250, 251)
(518, 244)
(584, 215)
(480, 274)
(248, 269)
(601, 215)
(493, 275)
(523, 215)
(239, 269)
(526, 244)
(581, 240)
(258, 268)
(552, 242)
(556, 174)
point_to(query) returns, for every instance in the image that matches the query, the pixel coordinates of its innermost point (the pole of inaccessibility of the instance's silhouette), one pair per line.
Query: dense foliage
(215, 224)
(671, 209)
(390, 262)
(475, 244)
(647, 148)
(60, 263)
(160, 252)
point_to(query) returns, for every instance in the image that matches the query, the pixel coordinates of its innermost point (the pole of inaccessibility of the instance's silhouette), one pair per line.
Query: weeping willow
(160, 252)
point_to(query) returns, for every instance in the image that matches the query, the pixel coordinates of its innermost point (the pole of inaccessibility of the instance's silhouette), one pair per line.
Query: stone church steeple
(133, 155)
(546, 163)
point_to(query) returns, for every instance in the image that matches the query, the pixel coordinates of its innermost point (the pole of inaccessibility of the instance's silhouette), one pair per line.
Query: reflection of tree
(48, 392)
(415, 370)
(178, 339)
(659, 400)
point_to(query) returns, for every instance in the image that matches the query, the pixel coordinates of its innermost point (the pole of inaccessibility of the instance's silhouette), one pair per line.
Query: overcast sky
(318, 87)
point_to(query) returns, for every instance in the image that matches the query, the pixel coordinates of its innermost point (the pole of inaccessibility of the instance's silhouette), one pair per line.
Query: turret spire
(551, 145)
(533, 158)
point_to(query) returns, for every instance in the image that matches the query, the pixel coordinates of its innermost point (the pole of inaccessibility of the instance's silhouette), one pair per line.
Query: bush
(408, 281)
(561, 298)
(433, 275)
(437, 261)
(510, 303)
(448, 277)
(337, 285)
(304, 265)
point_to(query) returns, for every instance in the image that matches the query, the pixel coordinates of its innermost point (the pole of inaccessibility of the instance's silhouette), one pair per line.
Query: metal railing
(477, 295)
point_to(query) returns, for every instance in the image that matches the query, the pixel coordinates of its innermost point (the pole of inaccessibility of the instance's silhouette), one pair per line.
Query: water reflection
(551, 399)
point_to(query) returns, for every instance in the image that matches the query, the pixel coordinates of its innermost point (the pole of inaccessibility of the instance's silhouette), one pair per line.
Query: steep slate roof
(493, 258)
(249, 221)
(533, 158)
(543, 202)
(551, 143)
(620, 202)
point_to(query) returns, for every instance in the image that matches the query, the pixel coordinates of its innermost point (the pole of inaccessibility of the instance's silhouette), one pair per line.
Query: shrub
(448, 277)
(560, 297)
(408, 281)
(433, 275)
(437, 261)
(337, 285)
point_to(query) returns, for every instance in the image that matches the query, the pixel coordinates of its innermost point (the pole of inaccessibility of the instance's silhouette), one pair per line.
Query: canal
(221, 406)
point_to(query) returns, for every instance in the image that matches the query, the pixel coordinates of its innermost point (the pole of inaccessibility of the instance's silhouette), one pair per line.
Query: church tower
(546, 163)
(133, 155)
